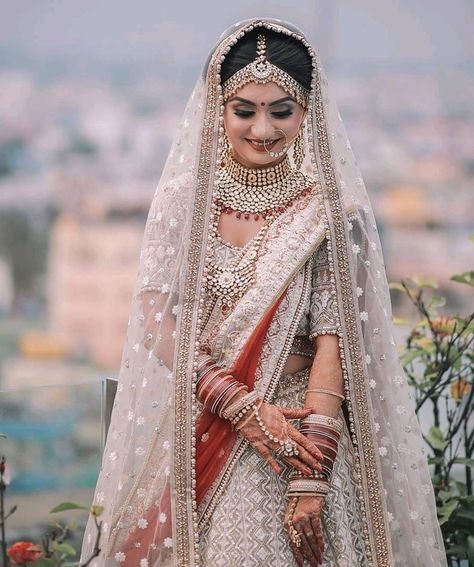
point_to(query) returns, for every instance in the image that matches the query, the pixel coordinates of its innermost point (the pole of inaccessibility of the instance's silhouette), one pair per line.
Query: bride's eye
(243, 113)
(282, 113)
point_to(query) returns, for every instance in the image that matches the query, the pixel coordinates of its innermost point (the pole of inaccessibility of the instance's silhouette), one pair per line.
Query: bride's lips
(259, 147)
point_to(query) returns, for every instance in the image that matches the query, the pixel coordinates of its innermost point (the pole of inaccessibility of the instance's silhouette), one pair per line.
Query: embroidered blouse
(320, 312)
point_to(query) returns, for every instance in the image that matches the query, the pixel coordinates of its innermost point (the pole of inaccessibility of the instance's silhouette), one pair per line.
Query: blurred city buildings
(91, 272)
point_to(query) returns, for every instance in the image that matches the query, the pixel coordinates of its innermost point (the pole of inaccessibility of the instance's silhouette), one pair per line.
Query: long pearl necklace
(266, 193)
(259, 192)
(227, 284)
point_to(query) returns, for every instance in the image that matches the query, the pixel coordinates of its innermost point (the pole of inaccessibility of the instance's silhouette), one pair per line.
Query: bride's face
(257, 113)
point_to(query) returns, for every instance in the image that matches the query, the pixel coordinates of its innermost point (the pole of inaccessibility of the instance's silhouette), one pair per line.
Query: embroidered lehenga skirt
(246, 528)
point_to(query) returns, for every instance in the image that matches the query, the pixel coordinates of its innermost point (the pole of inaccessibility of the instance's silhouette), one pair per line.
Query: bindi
(262, 104)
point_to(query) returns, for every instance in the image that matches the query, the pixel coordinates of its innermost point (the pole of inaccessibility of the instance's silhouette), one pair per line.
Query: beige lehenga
(246, 525)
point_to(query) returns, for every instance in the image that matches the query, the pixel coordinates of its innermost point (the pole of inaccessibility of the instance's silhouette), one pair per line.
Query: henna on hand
(276, 423)
(306, 519)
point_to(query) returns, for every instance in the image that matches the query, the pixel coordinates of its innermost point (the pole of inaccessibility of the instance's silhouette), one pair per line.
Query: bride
(262, 417)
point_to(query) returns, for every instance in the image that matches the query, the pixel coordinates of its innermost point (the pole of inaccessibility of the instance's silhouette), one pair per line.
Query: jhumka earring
(226, 149)
(298, 148)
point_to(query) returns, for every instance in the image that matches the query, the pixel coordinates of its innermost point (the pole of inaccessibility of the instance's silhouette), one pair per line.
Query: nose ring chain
(282, 151)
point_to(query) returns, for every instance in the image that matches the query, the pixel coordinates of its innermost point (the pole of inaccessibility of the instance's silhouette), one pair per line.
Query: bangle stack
(324, 432)
(236, 411)
(215, 387)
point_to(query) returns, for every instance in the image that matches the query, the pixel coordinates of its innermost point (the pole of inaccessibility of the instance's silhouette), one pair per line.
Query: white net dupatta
(140, 457)
(147, 480)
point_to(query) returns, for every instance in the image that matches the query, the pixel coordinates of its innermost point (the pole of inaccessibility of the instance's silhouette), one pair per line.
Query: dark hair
(284, 51)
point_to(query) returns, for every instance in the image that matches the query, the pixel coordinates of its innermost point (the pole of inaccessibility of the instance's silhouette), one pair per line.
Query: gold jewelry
(288, 447)
(298, 148)
(227, 284)
(261, 71)
(259, 192)
(295, 537)
(226, 148)
(326, 391)
(264, 192)
(284, 149)
(258, 177)
(302, 486)
(333, 423)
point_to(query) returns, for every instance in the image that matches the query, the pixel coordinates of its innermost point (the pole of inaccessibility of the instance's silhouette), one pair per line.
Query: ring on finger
(295, 536)
(289, 448)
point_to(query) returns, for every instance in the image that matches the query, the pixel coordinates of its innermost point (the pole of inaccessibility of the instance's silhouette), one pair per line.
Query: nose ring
(282, 151)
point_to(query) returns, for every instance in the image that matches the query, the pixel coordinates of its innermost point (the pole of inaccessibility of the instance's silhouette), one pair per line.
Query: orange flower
(24, 552)
(443, 326)
(459, 389)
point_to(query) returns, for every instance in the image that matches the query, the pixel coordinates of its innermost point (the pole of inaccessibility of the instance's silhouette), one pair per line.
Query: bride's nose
(262, 128)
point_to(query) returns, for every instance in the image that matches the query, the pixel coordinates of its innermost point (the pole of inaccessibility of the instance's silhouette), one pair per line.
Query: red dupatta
(214, 442)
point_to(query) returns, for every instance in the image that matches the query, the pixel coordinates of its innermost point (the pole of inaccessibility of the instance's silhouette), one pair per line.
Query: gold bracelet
(326, 391)
(292, 532)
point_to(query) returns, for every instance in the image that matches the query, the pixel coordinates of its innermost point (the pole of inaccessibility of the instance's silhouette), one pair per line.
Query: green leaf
(64, 506)
(436, 438)
(470, 549)
(457, 551)
(401, 322)
(97, 510)
(465, 278)
(444, 495)
(398, 286)
(446, 511)
(43, 562)
(437, 301)
(426, 344)
(464, 461)
(466, 514)
(461, 487)
(66, 549)
(435, 460)
(422, 282)
(410, 355)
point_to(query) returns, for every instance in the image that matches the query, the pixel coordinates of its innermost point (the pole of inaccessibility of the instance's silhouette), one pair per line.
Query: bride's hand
(275, 420)
(306, 520)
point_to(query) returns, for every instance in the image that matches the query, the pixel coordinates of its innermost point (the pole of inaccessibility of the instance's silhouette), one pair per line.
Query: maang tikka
(262, 71)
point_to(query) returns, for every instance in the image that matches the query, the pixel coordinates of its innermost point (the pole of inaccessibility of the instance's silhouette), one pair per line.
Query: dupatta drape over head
(166, 461)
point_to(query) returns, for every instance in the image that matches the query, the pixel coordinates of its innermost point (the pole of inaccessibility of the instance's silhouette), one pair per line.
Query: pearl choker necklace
(259, 192)
(258, 177)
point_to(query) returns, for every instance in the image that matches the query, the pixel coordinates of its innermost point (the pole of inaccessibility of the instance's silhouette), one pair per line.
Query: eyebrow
(249, 102)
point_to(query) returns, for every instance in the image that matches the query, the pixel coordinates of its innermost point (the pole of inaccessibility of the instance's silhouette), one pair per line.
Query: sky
(181, 33)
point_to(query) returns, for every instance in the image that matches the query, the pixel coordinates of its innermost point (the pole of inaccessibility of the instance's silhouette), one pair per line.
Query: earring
(226, 149)
(298, 148)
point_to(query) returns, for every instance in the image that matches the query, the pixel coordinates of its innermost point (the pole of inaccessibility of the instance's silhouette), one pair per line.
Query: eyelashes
(249, 113)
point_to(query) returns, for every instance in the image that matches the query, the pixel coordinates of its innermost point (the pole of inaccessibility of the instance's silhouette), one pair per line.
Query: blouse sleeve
(323, 314)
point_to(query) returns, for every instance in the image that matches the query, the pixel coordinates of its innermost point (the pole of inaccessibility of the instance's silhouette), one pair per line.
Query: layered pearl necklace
(255, 193)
